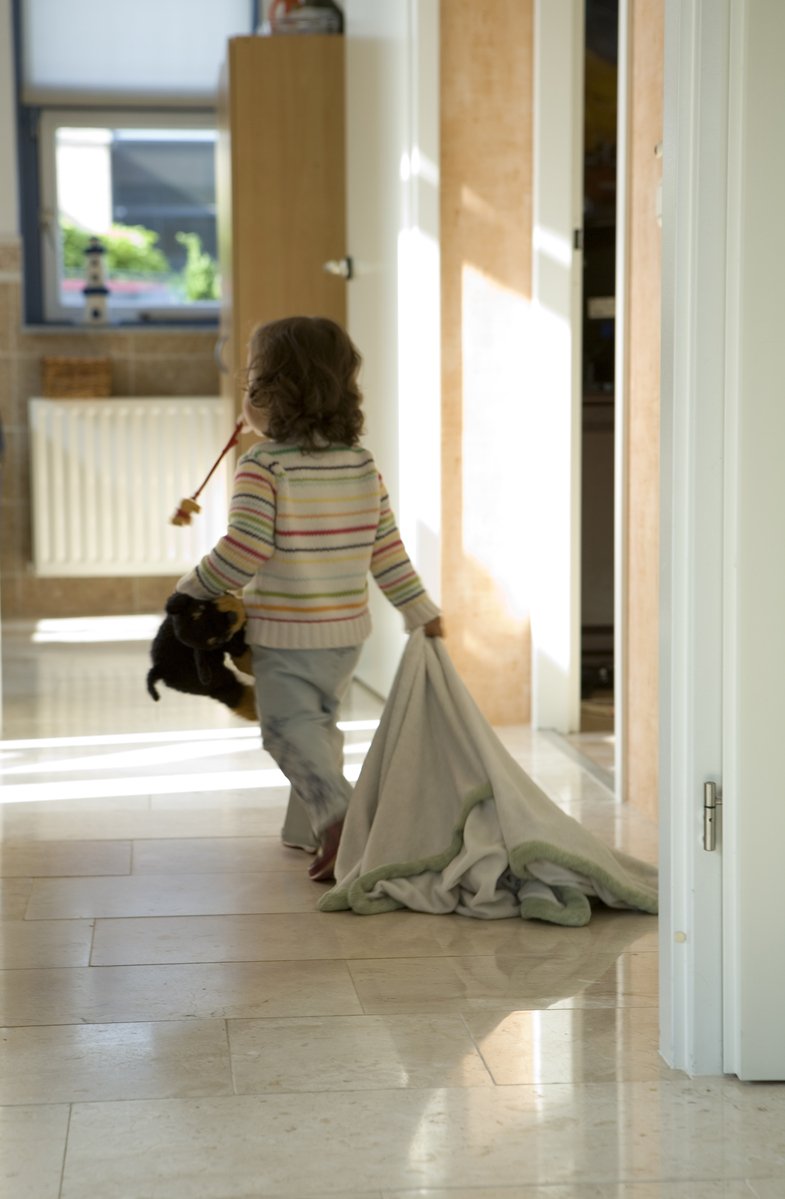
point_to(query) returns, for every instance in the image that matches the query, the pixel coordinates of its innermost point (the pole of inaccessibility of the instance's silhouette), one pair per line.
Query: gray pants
(298, 692)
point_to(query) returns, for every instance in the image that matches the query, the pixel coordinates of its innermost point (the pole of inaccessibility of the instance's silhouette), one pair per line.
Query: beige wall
(486, 227)
(144, 362)
(486, 221)
(643, 391)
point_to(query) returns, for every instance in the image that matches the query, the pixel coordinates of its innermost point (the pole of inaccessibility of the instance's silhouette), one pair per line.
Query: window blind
(138, 52)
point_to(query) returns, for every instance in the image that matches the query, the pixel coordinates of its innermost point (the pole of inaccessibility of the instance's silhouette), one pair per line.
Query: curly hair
(302, 380)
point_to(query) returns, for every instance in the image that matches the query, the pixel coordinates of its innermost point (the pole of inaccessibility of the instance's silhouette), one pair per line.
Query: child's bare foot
(322, 868)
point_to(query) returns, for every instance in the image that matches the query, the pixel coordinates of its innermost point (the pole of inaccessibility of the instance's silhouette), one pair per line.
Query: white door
(723, 509)
(754, 802)
(392, 119)
(557, 288)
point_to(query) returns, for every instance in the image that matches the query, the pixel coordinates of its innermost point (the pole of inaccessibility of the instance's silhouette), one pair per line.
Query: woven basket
(76, 378)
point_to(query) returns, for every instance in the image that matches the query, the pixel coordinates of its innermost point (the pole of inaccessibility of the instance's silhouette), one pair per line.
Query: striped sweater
(304, 532)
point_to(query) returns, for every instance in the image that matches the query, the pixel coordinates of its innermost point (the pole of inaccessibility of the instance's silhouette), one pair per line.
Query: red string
(231, 442)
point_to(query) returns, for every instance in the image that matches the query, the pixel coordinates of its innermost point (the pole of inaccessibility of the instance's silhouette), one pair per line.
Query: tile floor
(179, 1020)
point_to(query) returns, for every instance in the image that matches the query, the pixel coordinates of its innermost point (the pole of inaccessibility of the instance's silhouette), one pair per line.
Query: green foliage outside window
(201, 271)
(131, 252)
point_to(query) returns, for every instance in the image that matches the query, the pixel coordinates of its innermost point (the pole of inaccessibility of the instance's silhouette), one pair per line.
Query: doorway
(597, 715)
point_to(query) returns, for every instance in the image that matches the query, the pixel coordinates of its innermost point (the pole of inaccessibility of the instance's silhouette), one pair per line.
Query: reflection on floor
(180, 1021)
(594, 746)
(596, 752)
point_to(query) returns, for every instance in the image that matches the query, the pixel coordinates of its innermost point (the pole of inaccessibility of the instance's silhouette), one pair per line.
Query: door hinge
(577, 239)
(712, 802)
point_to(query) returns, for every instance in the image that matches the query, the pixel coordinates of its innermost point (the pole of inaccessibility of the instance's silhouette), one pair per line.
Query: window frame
(49, 120)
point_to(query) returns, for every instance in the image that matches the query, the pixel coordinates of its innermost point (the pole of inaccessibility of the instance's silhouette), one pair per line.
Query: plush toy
(189, 648)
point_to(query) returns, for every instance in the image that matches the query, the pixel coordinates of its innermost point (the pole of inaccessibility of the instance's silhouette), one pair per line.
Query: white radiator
(107, 476)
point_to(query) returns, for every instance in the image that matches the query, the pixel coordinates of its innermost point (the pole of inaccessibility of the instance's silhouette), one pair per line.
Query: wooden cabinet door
(224, 351)
(286, 119)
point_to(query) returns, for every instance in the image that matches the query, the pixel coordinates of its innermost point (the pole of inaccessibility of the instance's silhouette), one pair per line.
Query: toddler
(309, 519)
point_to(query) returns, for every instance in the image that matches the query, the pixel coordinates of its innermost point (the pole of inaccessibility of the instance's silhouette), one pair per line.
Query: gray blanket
(444, 820)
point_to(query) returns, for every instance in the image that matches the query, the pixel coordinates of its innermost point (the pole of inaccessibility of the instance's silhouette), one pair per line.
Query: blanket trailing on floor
(444, 820)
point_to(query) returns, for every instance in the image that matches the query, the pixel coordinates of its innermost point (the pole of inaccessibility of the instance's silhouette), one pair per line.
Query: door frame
(557, 290)
(556, 702)
(692, 552)
(621, 453)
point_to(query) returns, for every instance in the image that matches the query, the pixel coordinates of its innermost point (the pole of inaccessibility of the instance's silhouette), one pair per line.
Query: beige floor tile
(32, 1146)
(172, 895)
(463, 984)
(552, 765)
(570, 1046)
(390, 934)
(716, 1189)
(575, 785)
(128, 758)
(71, 1063)
(14, 897)
(353, 1053)
(28, 944)
(175, 780)
(238, 938)
(761, 1188)
(598, 745)
(124, 994)
(736, 1188)
(459, 1137)
(580, 1191)
(110, 805)
(202, 855)
(304, 935)
(139, 820)
(72, 782)
(61, 859)
(618, 827)
(632, 980)
(229, 799)
(82, 666)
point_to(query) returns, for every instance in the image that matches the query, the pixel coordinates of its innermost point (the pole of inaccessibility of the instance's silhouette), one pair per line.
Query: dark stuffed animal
(189, 648)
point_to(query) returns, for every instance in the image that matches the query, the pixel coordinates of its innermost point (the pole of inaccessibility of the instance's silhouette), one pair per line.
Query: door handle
(343, 267)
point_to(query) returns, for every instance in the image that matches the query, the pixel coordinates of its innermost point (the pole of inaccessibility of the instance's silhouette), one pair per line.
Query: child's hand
(434, 628)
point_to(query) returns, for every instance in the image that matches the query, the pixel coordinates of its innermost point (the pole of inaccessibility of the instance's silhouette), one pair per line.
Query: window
(117, 142)
(145, 187)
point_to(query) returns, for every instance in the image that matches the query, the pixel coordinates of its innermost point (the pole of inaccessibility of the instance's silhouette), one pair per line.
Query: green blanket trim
(572, 909)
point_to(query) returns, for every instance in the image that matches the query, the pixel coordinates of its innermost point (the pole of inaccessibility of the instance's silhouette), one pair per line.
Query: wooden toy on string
(188, 507)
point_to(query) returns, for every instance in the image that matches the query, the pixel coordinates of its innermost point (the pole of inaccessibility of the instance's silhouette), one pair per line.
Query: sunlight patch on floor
(96, 628)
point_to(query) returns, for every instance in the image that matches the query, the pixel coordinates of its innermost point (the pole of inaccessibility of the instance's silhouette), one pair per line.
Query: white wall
(392, 130)
(9, 205)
